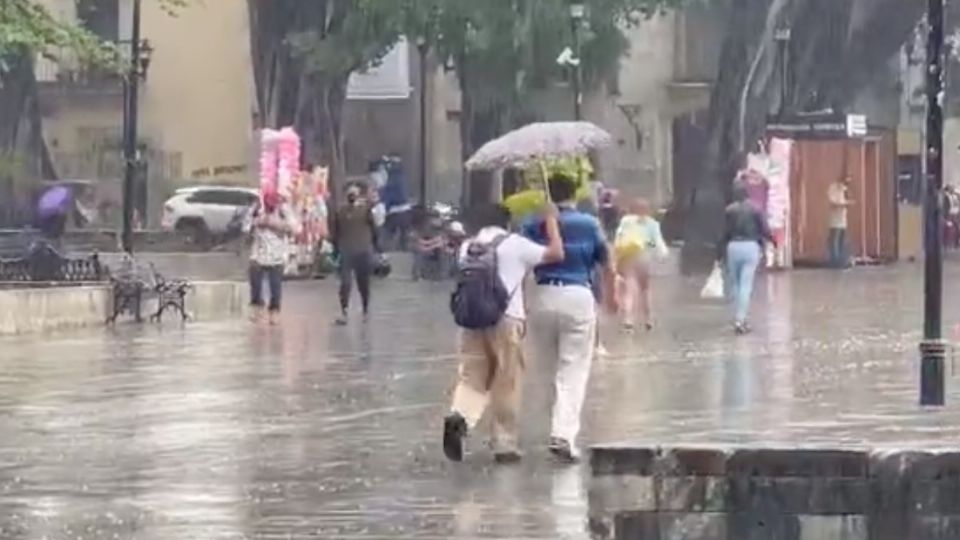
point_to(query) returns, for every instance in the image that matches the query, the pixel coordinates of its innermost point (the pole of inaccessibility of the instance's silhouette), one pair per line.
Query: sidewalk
(221, 430)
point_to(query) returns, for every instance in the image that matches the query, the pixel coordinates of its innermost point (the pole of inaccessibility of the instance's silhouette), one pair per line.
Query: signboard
(856, 125)
(819, 126)
(390, 79)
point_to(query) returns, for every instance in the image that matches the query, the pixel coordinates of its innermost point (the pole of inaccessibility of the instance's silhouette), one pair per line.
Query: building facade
(196, 99)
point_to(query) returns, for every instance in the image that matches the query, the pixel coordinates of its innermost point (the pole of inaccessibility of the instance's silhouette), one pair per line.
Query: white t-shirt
(516, 257)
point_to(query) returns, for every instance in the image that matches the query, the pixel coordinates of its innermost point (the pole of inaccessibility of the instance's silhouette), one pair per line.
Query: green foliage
(504, 49)
(27, 27)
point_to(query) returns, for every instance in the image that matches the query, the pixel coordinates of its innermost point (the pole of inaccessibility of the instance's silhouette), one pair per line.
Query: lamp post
(577, 14)
(423, 47)
(140, 56)
(782, 38)
(933, 348)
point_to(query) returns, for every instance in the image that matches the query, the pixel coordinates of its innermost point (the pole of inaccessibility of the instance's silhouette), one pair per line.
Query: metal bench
(133, 284)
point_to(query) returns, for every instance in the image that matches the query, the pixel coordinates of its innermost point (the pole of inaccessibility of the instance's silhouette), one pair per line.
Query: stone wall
(50, 309)
(651, 493)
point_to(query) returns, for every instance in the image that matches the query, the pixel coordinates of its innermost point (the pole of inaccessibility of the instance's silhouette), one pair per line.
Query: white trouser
(562, 325)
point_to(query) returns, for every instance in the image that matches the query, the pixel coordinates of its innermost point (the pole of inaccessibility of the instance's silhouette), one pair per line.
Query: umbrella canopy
(543, 140)
(54, 201)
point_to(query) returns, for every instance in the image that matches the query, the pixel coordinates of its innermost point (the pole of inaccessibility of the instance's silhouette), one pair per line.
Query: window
(226, 197)
(239, 198)
(101, 17)
(205, 196)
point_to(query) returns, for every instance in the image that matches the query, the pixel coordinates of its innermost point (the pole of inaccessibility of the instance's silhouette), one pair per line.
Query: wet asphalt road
(224, 430)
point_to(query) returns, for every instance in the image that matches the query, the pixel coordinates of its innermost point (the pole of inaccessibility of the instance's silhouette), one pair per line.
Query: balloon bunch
(269, 142)
(279, 161)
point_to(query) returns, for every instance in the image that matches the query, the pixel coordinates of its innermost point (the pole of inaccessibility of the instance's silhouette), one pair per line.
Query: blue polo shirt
(583, 244)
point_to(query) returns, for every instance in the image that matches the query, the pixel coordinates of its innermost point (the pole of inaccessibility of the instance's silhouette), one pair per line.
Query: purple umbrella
(55, 201)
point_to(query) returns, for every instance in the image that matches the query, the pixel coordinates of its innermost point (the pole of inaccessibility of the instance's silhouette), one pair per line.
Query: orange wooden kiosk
(827, 148)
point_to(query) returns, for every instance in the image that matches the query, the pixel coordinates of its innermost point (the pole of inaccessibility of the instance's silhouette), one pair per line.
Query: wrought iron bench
(132, 285)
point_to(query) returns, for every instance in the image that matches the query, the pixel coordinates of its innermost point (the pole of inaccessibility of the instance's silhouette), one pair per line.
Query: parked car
(208, 213)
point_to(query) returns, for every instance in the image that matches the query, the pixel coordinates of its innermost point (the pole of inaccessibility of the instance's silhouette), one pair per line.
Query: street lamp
(577, 14)
(933, 348)
(141, 53)
(782, 38)
(423, 47)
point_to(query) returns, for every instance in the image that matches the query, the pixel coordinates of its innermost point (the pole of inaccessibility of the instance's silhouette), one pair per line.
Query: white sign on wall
(856, 125)
(390, 79)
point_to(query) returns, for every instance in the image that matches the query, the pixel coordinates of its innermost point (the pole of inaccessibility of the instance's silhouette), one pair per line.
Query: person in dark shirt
(353, 232)
(563, 320)
(745, 232)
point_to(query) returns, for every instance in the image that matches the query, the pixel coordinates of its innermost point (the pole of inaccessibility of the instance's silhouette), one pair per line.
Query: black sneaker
(563, 451)
(507, 458)
(454, 430)
(341, 320)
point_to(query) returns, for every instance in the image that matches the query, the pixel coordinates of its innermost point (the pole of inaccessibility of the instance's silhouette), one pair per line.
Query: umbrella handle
(546, 180)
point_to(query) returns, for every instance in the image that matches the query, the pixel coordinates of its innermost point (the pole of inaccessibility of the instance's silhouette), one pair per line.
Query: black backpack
(480, 298)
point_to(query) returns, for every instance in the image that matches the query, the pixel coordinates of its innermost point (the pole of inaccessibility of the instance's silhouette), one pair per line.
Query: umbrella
(56, 200)
(539, 141)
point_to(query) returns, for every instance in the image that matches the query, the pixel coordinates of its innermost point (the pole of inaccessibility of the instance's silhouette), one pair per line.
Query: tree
(505, 50)
(303, 56)
(837, 49)
(304, 53)
(28, 29)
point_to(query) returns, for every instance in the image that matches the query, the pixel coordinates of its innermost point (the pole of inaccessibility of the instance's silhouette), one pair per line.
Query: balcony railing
(67, 75)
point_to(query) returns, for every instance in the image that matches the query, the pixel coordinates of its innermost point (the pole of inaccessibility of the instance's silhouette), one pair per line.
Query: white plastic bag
(713, 288)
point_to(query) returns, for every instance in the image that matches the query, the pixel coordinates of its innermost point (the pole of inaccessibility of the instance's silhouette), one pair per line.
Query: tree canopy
(501, 50)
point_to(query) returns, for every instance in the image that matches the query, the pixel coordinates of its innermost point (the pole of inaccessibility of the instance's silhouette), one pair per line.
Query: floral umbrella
(539, 141)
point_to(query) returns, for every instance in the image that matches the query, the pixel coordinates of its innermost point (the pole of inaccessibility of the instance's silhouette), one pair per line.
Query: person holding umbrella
(53, 209)
(563, 321)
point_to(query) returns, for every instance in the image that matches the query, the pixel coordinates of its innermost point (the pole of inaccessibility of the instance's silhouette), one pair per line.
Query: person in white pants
(563, 320)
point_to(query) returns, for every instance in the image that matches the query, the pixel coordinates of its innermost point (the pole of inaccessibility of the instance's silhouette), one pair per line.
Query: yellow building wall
(199, 96)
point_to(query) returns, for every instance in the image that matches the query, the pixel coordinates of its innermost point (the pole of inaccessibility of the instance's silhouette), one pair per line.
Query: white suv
(207, 212)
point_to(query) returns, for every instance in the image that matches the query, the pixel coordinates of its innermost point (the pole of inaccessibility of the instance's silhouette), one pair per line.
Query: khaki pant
(491, 376)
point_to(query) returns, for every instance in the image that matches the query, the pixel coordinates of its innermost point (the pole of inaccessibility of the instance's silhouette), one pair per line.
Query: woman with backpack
(638, 237)
(488, 305)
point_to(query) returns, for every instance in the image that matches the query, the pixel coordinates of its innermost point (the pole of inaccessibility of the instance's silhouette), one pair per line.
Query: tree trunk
(837, 49)
(21, 135)
(320, 124)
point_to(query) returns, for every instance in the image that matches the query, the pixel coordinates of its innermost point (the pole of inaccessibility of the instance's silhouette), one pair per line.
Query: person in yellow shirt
(839, 205)
(637, 239)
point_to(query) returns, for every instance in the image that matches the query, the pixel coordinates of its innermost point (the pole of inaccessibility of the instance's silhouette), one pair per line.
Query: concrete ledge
(36, 310)
(26, 311)
(654, 493)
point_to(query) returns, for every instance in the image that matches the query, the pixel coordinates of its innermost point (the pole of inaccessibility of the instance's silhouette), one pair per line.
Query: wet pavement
(225, 430)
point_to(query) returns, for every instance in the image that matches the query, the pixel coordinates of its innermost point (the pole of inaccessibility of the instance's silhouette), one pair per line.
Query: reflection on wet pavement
(309, 431)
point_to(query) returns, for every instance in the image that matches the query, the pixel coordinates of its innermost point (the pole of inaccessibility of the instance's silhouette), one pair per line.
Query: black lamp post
(782, 38)
(577, 14)
(933, 348)
(140, 56)
(423, 47)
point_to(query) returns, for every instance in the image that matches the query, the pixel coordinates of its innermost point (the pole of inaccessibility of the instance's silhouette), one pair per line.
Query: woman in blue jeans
(745, 232)
(269, 229)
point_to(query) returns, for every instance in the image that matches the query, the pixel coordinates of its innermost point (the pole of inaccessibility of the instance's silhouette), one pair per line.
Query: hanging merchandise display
(767, 178)
(269, 143)
(779, 205)
(288, 161)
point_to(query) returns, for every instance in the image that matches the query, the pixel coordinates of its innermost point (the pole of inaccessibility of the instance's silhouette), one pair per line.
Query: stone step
(734, 493)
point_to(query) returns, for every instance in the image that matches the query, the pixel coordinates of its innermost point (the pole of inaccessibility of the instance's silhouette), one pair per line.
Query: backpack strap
(496, 262)
(495, 245)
